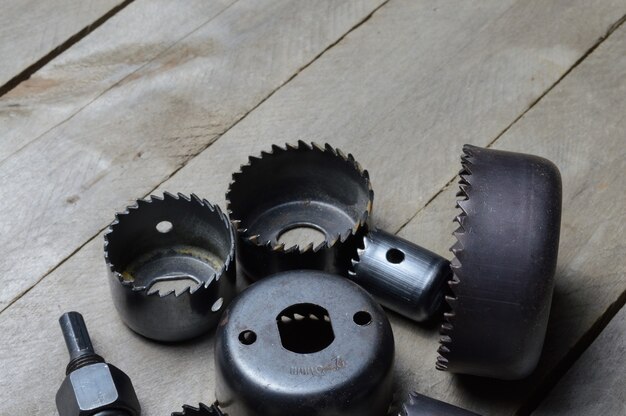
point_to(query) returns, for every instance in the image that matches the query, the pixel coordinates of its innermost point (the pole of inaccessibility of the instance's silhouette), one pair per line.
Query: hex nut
(96, 387)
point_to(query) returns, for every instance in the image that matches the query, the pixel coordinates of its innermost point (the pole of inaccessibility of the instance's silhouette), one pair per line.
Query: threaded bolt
(78, 342)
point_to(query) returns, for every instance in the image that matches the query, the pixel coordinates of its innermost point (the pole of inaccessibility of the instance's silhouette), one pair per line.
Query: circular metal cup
(171, 266)
(299, 207)
(304, 343)
(504, 264)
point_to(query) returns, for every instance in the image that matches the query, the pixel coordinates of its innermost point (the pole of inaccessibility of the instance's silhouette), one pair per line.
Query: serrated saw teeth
(446, 328)
(501, 289)
(201, 410)
(280, 198)
(418, 405)
(167, 253)
(460, 219)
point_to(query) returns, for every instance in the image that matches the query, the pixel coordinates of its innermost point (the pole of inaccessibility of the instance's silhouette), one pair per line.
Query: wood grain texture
(402, 92)
(31, 29)
(581, 126)
(34, 356)
(145, 127)
(595, 385)
(408, 88)
(128, 41)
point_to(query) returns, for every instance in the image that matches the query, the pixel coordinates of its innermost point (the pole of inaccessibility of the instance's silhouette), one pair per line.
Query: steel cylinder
(402, 276)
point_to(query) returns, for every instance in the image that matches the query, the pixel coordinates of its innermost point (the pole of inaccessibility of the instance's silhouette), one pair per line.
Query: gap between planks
(182, 165)
(551, 380)
(41, 62)
(110, 87)
(100, 146)
(517, 112)
(603, 318)
(409, 207)
(608, 33)
(595, 384)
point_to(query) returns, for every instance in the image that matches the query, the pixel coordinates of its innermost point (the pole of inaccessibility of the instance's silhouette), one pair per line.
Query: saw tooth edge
(302, 145)
(457, 249)
(356, 259)
(193, 198)
(201, 410)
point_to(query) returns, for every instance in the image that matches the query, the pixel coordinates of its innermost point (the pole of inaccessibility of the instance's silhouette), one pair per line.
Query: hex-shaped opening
(305, 328)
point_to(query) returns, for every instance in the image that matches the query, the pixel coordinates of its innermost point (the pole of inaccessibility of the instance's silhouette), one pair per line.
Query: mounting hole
(305, 328)
(247, 337)
(164, 227)
(217, 305)
(395, 256)
(362, 318)
(301, 236)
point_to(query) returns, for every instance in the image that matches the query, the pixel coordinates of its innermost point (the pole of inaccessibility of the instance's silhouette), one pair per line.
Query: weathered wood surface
(30, 29)
(118, 49)
(595, 385)
(455, 71)
(581, 126)
(429, 77)
(68, 183)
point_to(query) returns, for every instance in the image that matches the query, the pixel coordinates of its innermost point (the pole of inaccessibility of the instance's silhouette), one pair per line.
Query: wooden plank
(31, 29)
(397, 176)
(595, 385)
(129, 40)
(581, 126)
(485, 53)
(33, 352)
(437, 77)
(134, 135)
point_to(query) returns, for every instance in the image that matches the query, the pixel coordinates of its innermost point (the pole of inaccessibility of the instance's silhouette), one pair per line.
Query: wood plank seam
(550, 381)
(563, 366)
(595, 384)
(600, 40)
(71, 41)
(114, 85)
(60, 291)
(182, 165)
